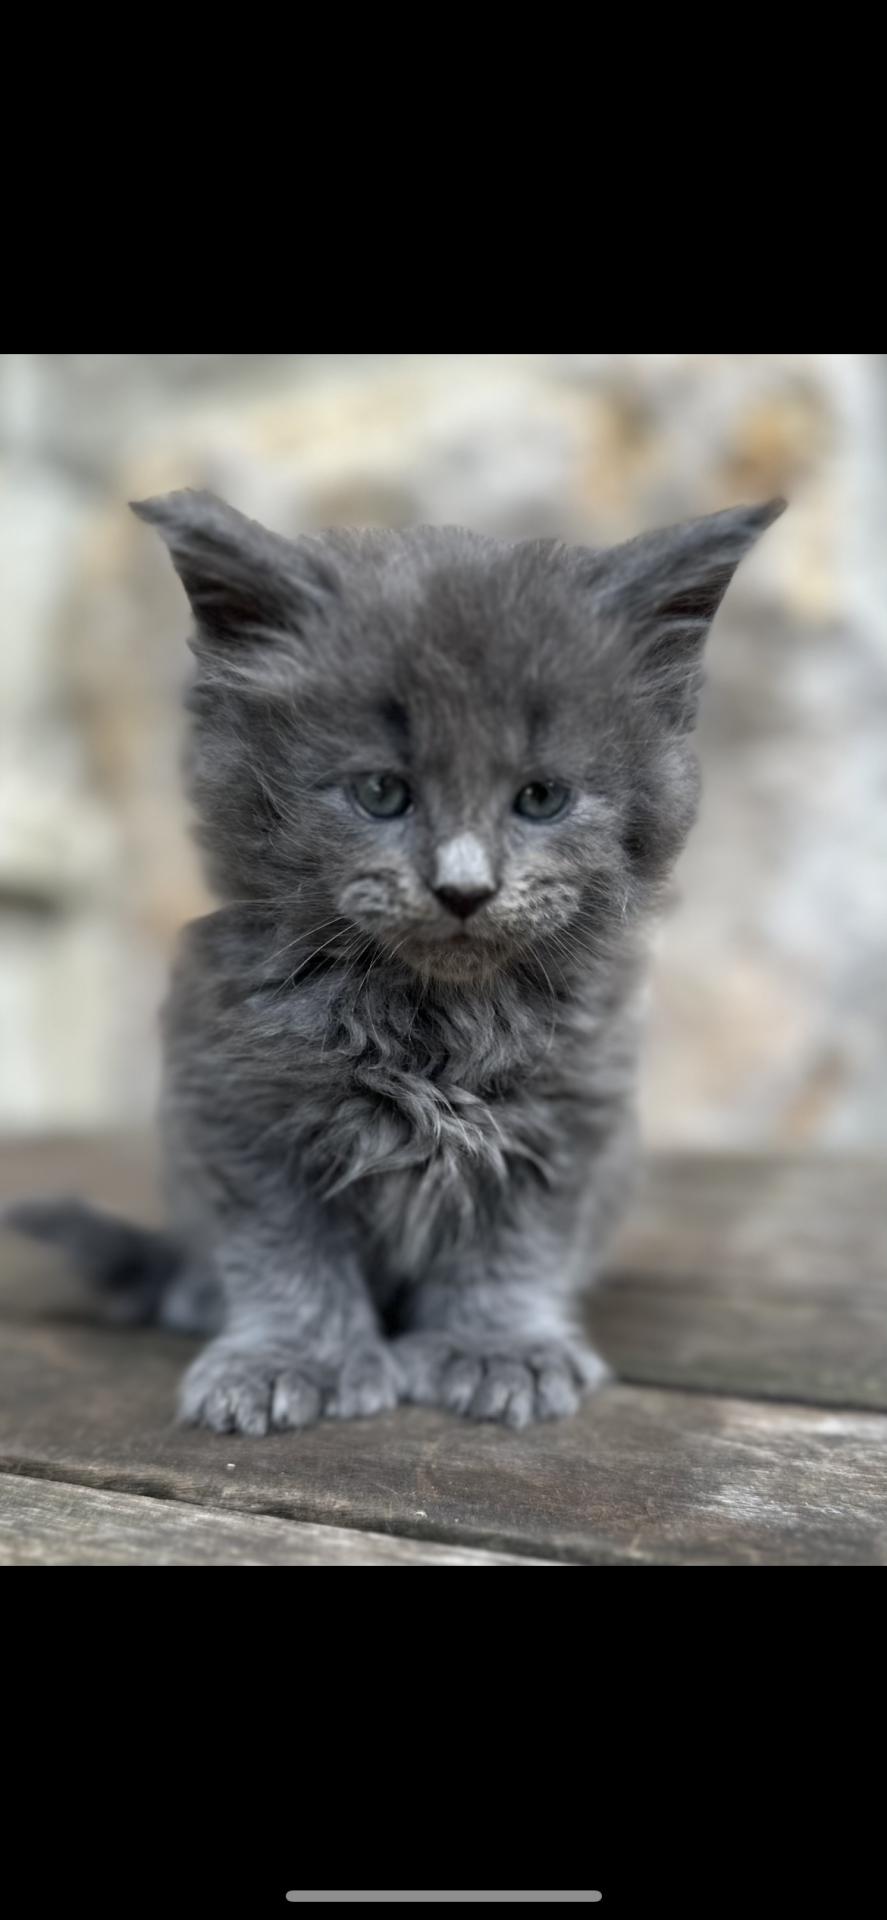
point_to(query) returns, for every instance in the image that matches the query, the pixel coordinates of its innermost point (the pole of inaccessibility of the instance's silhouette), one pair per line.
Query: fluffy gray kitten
(439, 780)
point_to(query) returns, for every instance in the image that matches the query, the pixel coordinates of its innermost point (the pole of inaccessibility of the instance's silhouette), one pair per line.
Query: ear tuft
(244, 583)
(664, 589)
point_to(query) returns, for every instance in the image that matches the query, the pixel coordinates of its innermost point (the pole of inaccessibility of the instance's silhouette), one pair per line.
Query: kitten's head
(455, 748)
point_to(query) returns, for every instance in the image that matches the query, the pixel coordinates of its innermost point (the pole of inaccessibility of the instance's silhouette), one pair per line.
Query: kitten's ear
(666, 588)
(243, 582)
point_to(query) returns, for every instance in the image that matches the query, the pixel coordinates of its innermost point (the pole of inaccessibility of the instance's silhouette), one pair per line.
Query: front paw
(256, 1389)
(512, 1381)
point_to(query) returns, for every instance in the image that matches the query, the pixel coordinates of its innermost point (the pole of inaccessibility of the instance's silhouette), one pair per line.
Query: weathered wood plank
(641, 1476)
(752, 1275)
(808, 1222)
(51, 1524)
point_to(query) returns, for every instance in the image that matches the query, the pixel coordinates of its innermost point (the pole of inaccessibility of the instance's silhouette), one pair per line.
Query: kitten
(439, 780)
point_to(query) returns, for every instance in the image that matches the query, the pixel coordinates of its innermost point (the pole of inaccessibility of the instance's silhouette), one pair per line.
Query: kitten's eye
(541, 800)
(383, 795)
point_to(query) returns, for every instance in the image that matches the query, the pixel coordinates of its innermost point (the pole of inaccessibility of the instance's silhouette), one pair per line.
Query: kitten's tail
(133, 1269)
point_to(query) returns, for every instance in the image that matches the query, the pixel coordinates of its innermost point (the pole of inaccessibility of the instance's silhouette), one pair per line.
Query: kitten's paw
(257, 1389)
(512, 1382)
(249, 1390)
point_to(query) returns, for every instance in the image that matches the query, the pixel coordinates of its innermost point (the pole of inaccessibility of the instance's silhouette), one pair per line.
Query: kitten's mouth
(451, 956)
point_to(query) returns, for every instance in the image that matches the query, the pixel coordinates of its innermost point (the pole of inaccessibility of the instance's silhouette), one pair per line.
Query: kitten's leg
(493, 1331)
(301, 1336)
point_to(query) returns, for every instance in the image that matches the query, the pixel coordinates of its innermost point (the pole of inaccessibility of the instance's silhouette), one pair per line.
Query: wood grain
(46, 1523)
(758, 1276)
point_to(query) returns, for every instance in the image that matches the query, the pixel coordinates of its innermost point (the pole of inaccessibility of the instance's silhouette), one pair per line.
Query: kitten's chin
(460, 958)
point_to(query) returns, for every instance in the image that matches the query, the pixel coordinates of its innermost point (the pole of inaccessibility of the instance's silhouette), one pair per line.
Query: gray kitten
(439, 780)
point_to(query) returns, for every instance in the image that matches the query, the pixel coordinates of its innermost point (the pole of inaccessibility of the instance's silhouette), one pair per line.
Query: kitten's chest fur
(441, 1103)
(418, 1110)
(432, 1074)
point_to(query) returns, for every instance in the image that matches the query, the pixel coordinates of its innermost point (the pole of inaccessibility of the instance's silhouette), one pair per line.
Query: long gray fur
(393, 1157)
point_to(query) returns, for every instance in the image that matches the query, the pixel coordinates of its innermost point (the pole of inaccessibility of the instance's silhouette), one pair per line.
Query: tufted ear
(244, 583)
(662, 592)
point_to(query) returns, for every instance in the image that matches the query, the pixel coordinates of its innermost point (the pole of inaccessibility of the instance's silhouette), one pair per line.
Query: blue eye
(382, 795)
(541, 800)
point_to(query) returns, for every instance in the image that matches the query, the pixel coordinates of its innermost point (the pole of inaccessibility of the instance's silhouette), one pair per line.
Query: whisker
(549, 1042)
(358, 941)
(305, 933)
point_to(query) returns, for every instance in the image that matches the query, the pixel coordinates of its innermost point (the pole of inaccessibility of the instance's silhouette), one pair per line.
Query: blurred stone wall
(768, 1021)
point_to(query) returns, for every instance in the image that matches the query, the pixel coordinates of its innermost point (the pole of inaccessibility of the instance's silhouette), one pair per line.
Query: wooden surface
(746, 1317)
(754, 1276)
(47, 1523)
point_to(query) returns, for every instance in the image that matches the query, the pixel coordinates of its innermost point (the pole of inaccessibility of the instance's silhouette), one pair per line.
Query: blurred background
(768, 1018)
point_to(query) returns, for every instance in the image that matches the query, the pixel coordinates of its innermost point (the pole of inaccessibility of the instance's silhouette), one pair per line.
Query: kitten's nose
(463, 876)
(463, 901)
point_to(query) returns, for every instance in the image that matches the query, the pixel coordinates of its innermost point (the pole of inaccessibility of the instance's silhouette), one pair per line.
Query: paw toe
(558, 1391)
(505, 1393)
(239, 1404)
(367, 1384)
(295, 1402)
(460, 1382)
